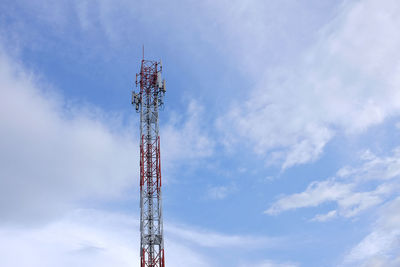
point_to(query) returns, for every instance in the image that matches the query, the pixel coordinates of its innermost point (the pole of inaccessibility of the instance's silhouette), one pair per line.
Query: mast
(147, 102)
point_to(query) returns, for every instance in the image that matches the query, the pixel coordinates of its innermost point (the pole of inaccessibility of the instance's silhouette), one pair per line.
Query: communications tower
(147, 102)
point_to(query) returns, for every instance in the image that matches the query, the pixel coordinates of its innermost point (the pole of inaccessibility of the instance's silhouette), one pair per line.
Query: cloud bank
(54, 153)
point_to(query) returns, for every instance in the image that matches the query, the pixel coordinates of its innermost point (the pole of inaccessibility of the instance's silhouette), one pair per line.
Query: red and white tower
(147, 102)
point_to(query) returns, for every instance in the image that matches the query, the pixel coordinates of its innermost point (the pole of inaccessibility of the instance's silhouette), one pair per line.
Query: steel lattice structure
(147, 102)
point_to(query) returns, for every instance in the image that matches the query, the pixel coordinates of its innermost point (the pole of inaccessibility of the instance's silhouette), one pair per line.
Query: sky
(279, 137)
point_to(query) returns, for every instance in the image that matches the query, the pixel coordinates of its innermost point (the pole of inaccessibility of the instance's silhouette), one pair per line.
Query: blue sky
(279, 135)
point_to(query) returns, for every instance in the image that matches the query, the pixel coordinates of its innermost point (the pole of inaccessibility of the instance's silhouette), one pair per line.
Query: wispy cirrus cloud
(381, 246)
(345, 83)
(210, 239)
(371, 186)
(220, 192)
(185, 136)
(353, 189)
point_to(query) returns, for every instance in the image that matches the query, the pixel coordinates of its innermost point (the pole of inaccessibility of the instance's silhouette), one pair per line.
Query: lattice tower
(147, 102)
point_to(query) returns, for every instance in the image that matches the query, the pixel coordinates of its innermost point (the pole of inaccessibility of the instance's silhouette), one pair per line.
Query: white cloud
(220, 192)
(347, 82)
(315, 194)
(269, 263)
(100, 238)
(347, 188)
(54, 153)
(370, 186)
(86, 238)
(381, 246)
(185, 138)
(381, 262)
(325, 217)
(206, 238)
